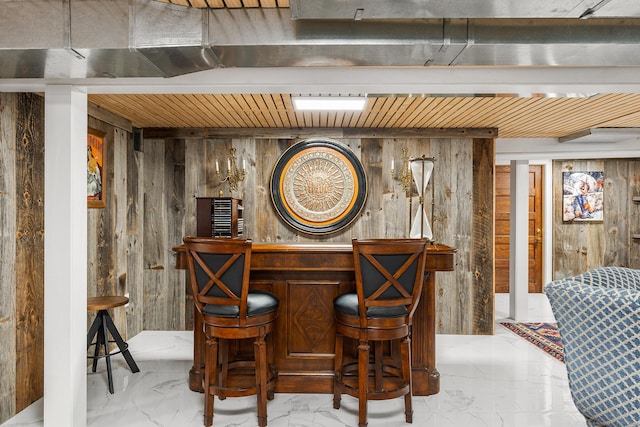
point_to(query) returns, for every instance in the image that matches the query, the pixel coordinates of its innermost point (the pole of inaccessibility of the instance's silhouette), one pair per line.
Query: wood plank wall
(109, 238)
(8, 210)
(463, 177)
(634, 213)
(163, 292)
(483, 235)
(29, 269)
(578, 247)
(22, 251)
(114, 243)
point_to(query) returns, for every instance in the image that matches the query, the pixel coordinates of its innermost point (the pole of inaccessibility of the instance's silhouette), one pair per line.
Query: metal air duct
(60, 39)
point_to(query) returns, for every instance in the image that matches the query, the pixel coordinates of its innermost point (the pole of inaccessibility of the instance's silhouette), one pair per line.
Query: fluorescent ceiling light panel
(602, 135)
(329, 103)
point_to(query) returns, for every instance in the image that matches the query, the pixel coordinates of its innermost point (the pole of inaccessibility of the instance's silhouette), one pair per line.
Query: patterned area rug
(545, 336)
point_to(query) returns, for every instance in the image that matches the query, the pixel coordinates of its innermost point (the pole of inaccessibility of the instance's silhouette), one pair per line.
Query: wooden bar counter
(306, 278)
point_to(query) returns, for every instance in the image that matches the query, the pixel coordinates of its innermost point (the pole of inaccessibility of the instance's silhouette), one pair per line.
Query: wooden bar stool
(230, 311)
(389, 277)
(102, 326)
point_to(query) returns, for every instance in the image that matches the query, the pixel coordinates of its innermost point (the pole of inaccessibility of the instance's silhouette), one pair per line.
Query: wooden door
(503, 223)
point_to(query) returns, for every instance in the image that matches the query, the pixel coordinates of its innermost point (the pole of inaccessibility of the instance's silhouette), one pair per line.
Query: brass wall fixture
(234, 176)
(404, 175)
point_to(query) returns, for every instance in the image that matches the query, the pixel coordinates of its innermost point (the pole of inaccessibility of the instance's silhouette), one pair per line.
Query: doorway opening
(502, 228)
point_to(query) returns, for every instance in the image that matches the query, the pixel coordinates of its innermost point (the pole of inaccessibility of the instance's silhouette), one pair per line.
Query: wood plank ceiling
(514, 117)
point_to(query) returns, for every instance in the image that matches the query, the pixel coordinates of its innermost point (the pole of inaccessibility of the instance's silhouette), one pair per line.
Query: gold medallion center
(319, 186)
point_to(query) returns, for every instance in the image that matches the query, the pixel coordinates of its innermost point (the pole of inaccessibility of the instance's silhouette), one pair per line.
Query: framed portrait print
(95, 169)
(582, 196)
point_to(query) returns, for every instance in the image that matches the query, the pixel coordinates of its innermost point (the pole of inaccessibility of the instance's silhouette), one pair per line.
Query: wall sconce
(404, 177)
(233, 175)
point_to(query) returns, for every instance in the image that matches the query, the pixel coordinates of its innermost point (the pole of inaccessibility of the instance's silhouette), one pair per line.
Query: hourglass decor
(422, 169)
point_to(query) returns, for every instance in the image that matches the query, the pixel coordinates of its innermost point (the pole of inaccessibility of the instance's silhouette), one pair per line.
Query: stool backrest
(389, 273)
(219, 271)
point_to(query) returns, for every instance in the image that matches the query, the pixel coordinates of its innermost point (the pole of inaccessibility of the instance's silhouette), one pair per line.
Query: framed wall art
(96, 155)
(582, 196)
(318, 186)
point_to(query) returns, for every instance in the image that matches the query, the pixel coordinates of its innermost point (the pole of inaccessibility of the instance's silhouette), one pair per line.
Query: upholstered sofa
(598, 315)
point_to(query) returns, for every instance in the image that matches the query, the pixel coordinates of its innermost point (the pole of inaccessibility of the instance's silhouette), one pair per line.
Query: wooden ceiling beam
(302, 133)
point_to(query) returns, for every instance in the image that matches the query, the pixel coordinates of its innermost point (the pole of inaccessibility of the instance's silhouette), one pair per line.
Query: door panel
(502, 228)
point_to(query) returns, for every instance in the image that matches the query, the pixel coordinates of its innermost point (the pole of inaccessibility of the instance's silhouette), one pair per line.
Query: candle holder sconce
(234, 176)
(404, 175)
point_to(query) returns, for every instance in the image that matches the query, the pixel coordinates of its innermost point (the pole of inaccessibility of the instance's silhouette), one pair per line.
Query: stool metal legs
(103, 326)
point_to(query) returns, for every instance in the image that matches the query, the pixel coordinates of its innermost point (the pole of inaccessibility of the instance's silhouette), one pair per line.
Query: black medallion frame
(293, 160)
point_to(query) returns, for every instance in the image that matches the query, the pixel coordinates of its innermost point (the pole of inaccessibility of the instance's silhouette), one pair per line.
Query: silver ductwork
(419, 9)
(102, 38)
(144, 38)
(270, 39)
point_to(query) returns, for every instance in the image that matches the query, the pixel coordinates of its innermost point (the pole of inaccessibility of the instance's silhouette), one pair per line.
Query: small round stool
(102, 326)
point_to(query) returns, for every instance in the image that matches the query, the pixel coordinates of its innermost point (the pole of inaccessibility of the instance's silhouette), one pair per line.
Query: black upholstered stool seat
(258, 303)
(347, 304)
(100, 330)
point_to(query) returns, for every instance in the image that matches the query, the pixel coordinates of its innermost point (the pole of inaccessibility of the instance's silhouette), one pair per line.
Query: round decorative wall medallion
(318, 186)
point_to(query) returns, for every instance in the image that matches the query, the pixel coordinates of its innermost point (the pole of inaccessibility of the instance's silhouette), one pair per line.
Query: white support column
(519, 240)
(65, 257)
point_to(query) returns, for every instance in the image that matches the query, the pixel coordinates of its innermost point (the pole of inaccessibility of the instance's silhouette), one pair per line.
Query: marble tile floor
(486, 381)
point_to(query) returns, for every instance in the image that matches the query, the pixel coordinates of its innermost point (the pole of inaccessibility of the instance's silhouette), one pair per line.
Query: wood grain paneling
(8, 201)
(515, 117)
(616, 203)
(110, 258)
(393, 199)
(371, 222)
(452, 225)
(385, 214)
(579, 247)
(164, 194)
(29, 257)
(135, 227)
(634, 213)
(118, 210)
(194, 173)
(310, 320)
(175, 194)
(155, 309)
(483, 261)
(267, 152)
